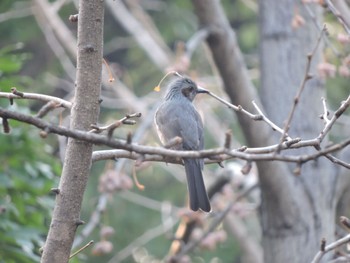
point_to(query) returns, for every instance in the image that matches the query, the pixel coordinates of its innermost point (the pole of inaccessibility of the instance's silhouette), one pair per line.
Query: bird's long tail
(196, 187)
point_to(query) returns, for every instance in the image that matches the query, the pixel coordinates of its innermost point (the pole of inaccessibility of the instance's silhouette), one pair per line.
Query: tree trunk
(85, 111)
(293, 226)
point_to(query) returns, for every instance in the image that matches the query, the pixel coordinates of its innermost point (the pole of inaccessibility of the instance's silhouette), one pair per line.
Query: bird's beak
(201, 90)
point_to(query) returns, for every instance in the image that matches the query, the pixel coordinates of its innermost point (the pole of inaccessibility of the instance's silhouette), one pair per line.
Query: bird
(177, 117)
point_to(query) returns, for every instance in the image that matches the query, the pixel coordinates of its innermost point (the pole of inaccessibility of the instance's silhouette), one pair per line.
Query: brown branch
(111, 127)
(216, 155)
(44, 110)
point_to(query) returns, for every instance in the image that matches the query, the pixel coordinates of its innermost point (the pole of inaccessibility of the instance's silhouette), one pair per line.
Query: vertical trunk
(293, 227)
(85, 110)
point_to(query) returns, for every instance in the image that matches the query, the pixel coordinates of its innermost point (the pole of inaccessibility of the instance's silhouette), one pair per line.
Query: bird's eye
(191, 89)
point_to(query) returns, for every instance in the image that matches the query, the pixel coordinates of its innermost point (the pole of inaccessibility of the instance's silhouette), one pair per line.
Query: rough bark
(85, 111)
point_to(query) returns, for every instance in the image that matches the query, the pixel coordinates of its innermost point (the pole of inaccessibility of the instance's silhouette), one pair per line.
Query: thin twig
(269, 122)
(342, 108)
(307, 77)
(325, 114)
(81, 249)
(319, 27)
(238, 108)
(44, 110)
(330, 247)
(256, 117)
(95, 219)
(338, 15)
(36, 96)
(111, 127)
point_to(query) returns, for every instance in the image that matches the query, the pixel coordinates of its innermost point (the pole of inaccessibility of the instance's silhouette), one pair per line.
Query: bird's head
(183, 88)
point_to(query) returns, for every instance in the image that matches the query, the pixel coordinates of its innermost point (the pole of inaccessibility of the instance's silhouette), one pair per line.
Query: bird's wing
(191, 130)
(180, 119)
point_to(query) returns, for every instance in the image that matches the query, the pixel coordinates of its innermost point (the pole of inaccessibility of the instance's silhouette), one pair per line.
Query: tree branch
(343, 20)
(307, 76)
(36, 96)
(330, 247)
(148, 153)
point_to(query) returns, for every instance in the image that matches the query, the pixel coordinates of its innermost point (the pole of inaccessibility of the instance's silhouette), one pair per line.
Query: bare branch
(256, 117)
(307, 76)
(330, 247)
(36, 96)
(111, 127)
(325, 114)
(217, 155)
(345, 222)
(46, 109)
(319, 28)
(81, 249)
(338, 15)
(238, 108)
(343, 107)
(269, 122)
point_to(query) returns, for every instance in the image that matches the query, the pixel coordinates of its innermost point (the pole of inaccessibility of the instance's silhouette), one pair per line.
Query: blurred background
(142, 41)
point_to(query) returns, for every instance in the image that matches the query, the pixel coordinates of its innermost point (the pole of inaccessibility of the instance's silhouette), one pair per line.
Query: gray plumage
(177, 116)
